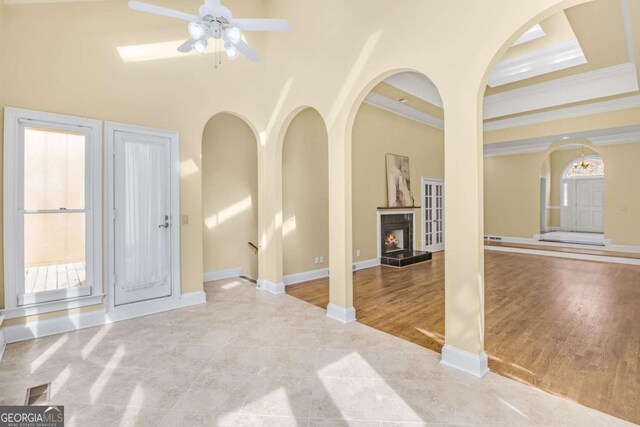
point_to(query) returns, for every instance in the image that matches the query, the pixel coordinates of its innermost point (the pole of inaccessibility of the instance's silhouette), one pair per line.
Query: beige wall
(305, 194)
(229, 195)
(621, 198)
(512, 192)
(512, 195)
(377, 132)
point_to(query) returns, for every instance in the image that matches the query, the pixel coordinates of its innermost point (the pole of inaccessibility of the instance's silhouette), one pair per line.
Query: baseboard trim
(341, 314)
(274, 288)
(210, 276)
(305, 276)
(473, 364)
(361, 265)
(567, 255)
(58, 325)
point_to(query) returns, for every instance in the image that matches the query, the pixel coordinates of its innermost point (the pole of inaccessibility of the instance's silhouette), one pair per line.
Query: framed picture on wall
(398, 181)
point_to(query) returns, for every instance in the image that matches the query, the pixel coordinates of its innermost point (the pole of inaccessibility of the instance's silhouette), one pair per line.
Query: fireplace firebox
(396, 232)
(396, 241)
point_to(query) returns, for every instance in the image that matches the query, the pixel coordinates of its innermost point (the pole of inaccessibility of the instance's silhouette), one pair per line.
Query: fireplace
(396, 233)
(396, 238)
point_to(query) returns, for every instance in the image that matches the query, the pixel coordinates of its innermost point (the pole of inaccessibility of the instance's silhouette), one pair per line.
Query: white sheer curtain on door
(147, 204)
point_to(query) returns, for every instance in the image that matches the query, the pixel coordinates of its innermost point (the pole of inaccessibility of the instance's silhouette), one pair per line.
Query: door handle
(166, 224)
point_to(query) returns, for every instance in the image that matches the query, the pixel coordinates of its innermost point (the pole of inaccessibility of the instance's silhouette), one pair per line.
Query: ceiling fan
(217, 22)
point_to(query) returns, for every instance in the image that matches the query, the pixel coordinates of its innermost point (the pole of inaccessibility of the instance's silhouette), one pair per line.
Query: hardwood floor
(569, 327)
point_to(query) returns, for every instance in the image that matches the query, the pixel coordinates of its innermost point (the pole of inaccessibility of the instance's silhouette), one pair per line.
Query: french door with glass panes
(432, 214)
(51, 205)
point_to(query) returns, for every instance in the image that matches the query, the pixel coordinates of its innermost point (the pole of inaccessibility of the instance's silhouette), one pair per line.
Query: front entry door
(433, 215)
(142, 201)
(590, 205)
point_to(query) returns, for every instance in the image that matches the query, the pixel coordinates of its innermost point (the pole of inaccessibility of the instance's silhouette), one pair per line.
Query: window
(52, 208)
(585, 167)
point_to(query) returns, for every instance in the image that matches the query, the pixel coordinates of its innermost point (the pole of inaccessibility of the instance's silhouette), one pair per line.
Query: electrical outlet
(358, 252)
(185, 219)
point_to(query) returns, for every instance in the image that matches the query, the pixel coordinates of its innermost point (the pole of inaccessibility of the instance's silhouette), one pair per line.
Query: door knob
(165, 225)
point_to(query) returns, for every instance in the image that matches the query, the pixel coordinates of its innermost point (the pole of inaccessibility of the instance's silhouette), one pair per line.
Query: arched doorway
(397, 123)
(229, 198)
(305, 199)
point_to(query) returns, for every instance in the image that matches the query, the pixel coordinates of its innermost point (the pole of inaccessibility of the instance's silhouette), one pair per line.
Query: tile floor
(249, 358)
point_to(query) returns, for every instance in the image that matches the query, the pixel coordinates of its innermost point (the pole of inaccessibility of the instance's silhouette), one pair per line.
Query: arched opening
(397, 160)
(550, 128)
(229, 198)
(573, 191)
(305, 200)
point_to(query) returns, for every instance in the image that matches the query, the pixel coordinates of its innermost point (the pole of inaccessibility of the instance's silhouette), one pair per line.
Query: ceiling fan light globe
(200, 46)
(231, 51)
(196, 30)
(233, 34)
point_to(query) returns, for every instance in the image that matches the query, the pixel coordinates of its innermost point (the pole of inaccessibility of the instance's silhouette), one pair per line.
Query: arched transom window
(588, 166)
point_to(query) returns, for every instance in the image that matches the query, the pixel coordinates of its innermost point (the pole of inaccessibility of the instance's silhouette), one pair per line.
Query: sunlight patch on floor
(513, 408)
(94, 341)
(231, 285)
(96, 388)
(46, 355)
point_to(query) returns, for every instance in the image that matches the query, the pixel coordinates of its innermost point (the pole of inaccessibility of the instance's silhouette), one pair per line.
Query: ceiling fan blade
(159, 10)
(186, 46)
(260, 24)
(247, 51)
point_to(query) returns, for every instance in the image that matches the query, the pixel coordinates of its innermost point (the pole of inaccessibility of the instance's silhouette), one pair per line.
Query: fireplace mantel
(396, 208)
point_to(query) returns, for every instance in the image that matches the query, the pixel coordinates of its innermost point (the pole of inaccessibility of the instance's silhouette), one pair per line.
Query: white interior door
(590, 205)
(433, 214)
(142, 201)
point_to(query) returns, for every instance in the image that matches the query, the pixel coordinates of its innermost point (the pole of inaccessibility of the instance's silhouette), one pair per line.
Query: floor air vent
(39, 395)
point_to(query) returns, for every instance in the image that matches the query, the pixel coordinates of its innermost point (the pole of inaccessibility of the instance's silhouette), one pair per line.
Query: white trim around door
(174, 215)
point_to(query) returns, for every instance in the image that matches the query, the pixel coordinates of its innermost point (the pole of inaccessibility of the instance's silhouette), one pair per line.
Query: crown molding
(623, 138)
(599, 137)
(417, 85)
(401, 109)
(515, 147)
(615, 80)
(532, 34)
(566, 113)
(543, 61)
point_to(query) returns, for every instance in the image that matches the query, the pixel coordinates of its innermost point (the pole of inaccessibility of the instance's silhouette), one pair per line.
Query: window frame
(17, 303)
(569, 166)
